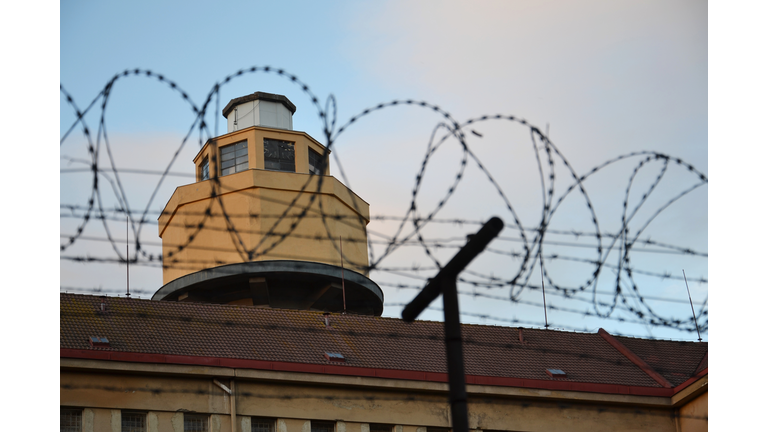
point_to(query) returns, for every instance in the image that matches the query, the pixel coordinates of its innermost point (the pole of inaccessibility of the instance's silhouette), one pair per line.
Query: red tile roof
(672, 359)
(251, 333)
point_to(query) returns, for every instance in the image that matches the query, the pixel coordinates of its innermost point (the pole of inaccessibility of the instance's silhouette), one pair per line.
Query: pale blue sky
(607, 79)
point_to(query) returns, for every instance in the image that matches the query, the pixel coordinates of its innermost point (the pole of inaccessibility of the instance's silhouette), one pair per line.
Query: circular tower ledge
(283, 284)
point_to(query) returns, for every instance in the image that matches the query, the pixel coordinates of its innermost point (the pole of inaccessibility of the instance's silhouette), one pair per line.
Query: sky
(603, 78)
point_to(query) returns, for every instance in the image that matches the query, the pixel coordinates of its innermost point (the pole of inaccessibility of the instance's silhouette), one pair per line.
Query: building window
(234, 158)
(279, 155)
(204, 173)
(133, 422)
(315, 162)
(378, 427)
(71, 420)
(261, 424)
(323, 426)
(195, 423)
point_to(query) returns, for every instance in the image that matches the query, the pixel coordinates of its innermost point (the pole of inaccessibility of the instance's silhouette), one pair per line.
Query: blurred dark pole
(445, 283)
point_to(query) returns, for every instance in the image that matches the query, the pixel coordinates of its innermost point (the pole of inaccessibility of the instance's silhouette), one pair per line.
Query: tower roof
(259, 96)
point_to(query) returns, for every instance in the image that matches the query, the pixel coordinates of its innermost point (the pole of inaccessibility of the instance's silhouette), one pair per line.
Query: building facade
(267, 321)
(237, 367)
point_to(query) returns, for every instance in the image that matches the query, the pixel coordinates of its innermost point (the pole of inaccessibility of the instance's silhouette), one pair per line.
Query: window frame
(280, 161)
(143, 415)
(320, 160)
(382, 427)
(270, 420)
(205, 169)
(199, 416)
(233, 148)
(78, 411)
(318, 423)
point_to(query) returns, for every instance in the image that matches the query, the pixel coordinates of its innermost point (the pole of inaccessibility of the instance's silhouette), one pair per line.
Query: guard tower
(263, 223)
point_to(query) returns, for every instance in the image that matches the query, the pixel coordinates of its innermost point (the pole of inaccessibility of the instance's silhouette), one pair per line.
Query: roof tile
(246, 332)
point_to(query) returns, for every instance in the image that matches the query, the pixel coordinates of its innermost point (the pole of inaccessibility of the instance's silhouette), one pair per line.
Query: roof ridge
(620, 335)
(634, 358)
(702, 364)
(314, 312)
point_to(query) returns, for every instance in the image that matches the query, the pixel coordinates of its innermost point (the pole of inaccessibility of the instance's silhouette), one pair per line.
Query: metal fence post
(445, 283)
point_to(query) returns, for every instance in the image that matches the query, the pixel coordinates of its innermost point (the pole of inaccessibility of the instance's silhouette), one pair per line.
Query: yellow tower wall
(196, 234)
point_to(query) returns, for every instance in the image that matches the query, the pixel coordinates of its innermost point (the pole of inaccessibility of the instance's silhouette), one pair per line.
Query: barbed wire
(91, 290)
(684, 325)
(440, 242)
(702, 315)
(410, 228)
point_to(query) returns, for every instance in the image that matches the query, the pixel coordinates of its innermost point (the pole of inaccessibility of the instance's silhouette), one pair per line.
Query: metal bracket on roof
(223, 387)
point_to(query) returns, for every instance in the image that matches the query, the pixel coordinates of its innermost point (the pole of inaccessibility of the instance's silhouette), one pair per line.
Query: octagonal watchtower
(263, 223)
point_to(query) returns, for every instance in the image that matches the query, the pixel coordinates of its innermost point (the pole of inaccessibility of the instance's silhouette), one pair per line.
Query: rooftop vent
(335, 357)
(326, 318)
(98, 341)
(556, 373)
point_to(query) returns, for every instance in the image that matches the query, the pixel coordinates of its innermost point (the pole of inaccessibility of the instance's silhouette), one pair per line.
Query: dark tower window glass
(234, 158)
(279, 155)
(204, 173)
(315, 162)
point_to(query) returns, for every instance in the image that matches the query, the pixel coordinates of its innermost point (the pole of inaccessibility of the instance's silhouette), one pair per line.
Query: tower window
(234, 158)
(204, 173)
(279, 155)
(315, 162)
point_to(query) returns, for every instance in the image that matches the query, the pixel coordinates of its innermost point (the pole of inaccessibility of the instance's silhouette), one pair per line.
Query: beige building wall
(691, 414)
(294, 400)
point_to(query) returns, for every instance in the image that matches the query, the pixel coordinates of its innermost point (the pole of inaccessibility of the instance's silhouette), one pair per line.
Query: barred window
(204, 173)
(71, 420)
(261, 424)
(279, 155)
(378, 427)
(133, 422)
(315, 162)
(323, 426)
(234, 158)
(195, 423)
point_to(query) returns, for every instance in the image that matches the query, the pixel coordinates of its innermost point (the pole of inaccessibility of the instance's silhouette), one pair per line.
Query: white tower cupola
(259, 109)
